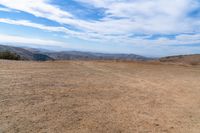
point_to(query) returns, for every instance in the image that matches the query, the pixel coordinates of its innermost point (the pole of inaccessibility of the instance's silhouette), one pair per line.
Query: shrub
(9, 56)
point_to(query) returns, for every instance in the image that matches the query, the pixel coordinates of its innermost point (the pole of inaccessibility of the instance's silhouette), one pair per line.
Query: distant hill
(43, 55)
(77, 55)
(25, 54)
(183, 59)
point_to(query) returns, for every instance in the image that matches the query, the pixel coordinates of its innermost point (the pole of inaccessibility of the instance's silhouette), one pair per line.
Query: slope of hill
(183, 59)
(77, 55)
(25, 54)
(43, 55)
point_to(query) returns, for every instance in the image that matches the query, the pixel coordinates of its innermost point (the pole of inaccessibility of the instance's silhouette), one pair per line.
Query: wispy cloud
(5, 9)
(26, 40)
(163, 16)
(141, 40)
(123, 21)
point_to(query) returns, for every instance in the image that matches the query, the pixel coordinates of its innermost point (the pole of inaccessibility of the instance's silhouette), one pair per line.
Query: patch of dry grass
(91, 96)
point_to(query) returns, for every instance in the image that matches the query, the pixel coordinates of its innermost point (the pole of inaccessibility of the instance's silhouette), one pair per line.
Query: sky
(146, 27)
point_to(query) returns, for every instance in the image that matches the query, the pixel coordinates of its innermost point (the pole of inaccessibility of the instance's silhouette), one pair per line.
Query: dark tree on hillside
(9, 56)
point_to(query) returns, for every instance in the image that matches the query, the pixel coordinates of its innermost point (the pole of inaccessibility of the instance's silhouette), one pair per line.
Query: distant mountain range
(26, 54)
(44, 55)
(77, 55)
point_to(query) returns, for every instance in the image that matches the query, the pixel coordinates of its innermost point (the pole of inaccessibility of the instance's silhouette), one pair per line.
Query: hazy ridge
(45, 55)
(42, 55)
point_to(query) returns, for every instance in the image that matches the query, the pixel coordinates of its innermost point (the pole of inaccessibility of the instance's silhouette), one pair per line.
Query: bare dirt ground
(99, 97)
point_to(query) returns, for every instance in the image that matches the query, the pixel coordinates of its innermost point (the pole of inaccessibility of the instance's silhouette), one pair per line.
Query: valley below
(99, 97)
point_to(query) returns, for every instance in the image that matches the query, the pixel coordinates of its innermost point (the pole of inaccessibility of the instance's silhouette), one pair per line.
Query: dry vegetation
(99, 97)
(183, 59)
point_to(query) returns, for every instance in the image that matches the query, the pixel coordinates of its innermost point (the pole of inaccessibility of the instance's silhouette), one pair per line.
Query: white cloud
(138, 16)
(68, 32)
(40, 8)
(35, 25)
(141, 40)
(5, 9)
(25, 40)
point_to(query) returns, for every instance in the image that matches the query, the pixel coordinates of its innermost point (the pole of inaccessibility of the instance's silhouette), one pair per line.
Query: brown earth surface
(182, 59)
(99, 97)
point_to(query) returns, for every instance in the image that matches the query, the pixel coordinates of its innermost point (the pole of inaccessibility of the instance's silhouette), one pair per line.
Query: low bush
(9, 55)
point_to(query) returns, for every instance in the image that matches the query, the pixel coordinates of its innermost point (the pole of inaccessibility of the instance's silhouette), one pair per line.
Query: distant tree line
(9, 55)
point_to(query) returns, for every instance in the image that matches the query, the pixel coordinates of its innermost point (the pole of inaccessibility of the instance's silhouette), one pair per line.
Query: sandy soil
(99, 97)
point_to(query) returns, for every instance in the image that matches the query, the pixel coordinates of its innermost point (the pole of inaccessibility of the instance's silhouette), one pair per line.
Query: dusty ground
(99, 97)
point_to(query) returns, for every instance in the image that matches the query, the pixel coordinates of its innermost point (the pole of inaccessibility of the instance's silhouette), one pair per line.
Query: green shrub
(9, 56)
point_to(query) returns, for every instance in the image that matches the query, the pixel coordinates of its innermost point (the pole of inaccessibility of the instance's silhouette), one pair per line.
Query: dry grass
(99, 97)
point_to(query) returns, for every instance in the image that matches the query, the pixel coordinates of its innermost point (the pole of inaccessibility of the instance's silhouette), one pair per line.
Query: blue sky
(145, 27)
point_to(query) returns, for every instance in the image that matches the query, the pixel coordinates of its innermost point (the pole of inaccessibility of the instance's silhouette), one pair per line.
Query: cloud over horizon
(139, 23)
